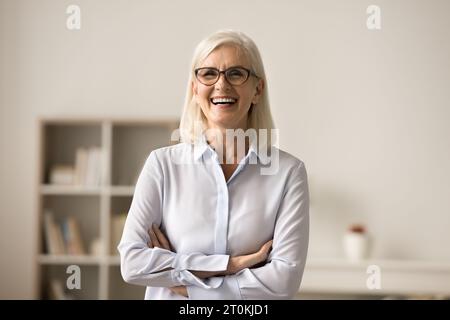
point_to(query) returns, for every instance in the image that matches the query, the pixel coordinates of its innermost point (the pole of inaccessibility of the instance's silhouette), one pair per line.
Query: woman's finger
(258, 257)
(266, 247)
(153, 238)
(161, 238)
(181, 290)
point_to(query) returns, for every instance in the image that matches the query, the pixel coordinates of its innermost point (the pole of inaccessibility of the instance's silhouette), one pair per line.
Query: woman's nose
(222, 83)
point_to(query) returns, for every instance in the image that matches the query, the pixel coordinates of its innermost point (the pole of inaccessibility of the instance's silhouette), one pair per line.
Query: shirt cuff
(182, 264)
(200, 262)
(229, 290)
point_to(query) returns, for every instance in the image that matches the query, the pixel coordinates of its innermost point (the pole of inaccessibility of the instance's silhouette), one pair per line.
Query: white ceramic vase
(356, 246)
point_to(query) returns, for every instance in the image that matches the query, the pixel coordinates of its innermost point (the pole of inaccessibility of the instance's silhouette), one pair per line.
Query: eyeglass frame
(249, 72)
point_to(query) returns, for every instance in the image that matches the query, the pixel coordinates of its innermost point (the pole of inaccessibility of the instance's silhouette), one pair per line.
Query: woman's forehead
(226, 56)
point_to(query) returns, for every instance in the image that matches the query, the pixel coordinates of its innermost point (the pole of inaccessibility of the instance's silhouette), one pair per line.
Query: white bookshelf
(125, 145)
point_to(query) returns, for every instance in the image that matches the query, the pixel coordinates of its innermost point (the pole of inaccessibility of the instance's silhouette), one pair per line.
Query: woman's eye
(209, 73)
(235, 73)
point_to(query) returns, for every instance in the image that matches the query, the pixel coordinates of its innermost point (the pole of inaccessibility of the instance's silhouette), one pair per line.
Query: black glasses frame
(249, 73)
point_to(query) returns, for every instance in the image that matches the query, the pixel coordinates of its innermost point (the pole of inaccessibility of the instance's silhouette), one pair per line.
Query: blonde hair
(259, 116)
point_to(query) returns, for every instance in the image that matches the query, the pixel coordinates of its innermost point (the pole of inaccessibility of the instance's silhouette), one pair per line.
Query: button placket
(221, 228)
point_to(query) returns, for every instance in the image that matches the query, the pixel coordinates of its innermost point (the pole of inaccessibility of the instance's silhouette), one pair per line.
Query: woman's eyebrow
(233, 66)
(238, 66)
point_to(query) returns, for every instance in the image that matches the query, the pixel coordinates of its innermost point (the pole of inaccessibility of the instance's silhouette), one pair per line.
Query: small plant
(357, 228)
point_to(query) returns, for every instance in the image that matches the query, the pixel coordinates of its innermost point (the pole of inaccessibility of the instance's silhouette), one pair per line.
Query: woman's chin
(222, 122)
(223, 107)
(222, 115)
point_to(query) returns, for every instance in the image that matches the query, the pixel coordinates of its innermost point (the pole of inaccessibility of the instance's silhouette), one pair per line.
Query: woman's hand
(238, 263)
(181, 290)
(235, 264)
(158, 239)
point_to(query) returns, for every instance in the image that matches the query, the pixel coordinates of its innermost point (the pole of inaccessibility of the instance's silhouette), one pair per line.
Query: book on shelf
(62, 174)
(57, 292)
(53, 236)
(88, 163)
(86, 170)
(64, 238)
(72, 237)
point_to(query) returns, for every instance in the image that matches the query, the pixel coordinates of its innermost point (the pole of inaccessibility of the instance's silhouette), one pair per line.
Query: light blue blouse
(183, 190)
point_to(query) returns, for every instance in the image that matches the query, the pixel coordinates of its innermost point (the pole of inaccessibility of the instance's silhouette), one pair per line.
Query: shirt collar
(201, 146)
(262, 153)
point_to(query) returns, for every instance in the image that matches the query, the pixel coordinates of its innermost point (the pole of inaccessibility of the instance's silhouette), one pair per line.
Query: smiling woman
(226, 101)
(195, 229)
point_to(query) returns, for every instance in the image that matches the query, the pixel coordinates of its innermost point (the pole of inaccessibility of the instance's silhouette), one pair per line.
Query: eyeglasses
(234, 75)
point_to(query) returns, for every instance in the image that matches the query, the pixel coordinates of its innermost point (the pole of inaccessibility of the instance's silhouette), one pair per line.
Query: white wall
(367, 111)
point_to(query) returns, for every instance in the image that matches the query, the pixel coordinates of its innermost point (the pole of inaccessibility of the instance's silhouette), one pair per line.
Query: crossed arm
(235, 264)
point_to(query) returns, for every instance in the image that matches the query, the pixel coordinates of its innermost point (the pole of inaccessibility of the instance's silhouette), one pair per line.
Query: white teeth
(223, 100)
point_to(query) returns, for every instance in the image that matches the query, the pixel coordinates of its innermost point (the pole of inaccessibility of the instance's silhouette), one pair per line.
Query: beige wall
(367, 111)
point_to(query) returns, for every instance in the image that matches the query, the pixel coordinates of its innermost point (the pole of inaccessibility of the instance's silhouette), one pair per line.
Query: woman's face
(227, 115)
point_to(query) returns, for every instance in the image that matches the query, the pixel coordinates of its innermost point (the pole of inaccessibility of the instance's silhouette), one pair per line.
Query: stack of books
(86, 170)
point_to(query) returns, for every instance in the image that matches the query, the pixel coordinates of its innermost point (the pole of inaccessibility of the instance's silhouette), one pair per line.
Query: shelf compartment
(85, 209)
(120, 290)
(61, 142)
(54, 283)
(120, 205)
(132, 145)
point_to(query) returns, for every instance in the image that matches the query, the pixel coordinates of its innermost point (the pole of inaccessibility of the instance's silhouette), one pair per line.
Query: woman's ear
(195, 91)
(194, 88)
(259, 91)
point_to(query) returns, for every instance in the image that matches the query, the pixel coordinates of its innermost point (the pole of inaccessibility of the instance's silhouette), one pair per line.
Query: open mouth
(224, 101)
